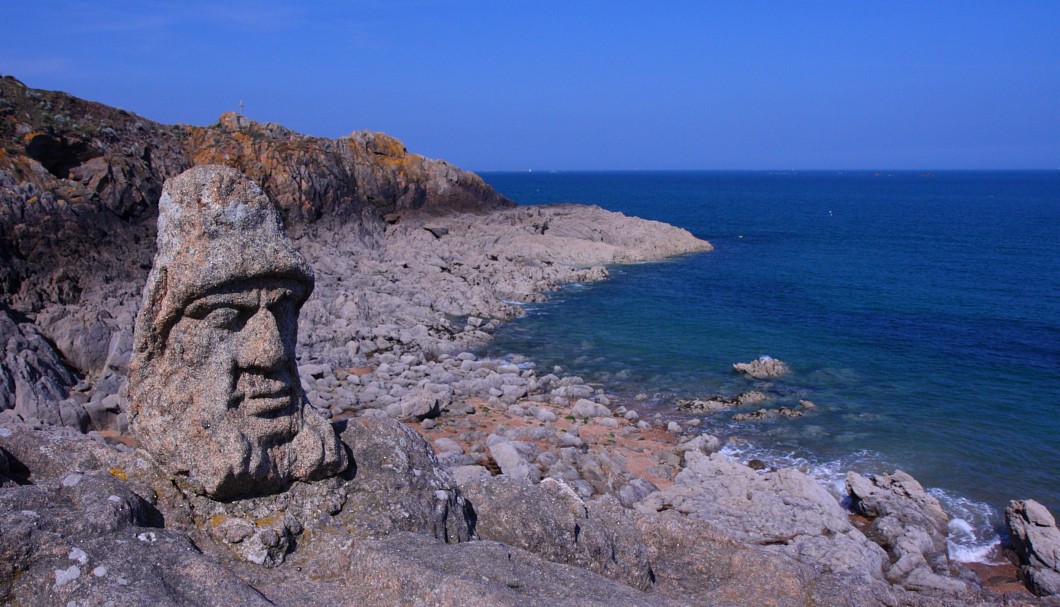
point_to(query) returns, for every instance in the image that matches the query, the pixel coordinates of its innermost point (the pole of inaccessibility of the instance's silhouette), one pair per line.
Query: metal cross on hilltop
(240, 107)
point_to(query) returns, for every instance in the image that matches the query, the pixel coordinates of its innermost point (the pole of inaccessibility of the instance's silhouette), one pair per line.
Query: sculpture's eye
(223, 317)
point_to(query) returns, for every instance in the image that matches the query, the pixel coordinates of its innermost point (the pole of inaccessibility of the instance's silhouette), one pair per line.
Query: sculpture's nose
(262, 345)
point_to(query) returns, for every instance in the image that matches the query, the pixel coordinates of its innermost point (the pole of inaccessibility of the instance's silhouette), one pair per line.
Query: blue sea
(919, 311)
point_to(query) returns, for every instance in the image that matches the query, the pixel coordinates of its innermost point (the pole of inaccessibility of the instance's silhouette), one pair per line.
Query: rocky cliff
(405, 248)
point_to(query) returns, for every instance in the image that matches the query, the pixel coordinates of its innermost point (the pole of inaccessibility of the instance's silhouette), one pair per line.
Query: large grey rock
(220, 315)
(911, 524)
(692, 558)
(1036, 540)
(409, 570)
(786, 511)
(34, 380)
(585, 409)
(88, 539)
(512, 461)
(551, 521)
(398, 484)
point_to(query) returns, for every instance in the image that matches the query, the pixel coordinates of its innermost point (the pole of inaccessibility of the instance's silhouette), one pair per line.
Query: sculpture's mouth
(263, 396)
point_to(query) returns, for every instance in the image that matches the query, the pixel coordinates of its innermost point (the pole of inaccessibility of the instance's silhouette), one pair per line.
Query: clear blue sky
(515, 85)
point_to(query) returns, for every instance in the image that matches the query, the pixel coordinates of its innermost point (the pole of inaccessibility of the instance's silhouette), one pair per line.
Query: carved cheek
(198, 345)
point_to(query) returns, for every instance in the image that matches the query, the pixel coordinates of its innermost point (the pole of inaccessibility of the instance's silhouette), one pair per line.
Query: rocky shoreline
(473, 481)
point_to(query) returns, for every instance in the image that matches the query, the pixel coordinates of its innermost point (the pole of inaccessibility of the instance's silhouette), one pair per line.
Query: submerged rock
(720, 403)
(790, 412)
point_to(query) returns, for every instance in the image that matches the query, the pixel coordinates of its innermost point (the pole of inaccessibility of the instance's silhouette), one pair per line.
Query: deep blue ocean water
(920, 312)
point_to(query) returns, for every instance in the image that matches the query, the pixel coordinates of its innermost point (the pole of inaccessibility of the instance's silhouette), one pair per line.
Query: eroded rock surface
(1036, 540)
(785, 510)
(911, 523)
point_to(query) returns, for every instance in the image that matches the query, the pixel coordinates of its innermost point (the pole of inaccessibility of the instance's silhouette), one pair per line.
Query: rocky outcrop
(712, 404)
(784, 511)
(79, 185)
(551, 521)
(763, 367)
(911, 524)
(398, 484)
(79, 188)
(799, 410)
(34, 380)
(1036, 540)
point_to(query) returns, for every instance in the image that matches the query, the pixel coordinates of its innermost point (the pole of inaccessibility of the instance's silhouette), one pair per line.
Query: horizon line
(874, 171)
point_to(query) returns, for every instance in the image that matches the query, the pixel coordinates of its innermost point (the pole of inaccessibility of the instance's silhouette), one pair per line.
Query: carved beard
(212, 440)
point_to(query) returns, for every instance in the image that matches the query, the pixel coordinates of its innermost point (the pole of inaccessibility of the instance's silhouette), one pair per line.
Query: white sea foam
(830, 474)
(973, 537)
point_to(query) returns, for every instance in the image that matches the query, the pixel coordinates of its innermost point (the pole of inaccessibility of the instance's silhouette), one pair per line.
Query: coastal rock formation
(398, 484)
(790, 412)
(785, 511)
(79, 188)
(910, 523)
(763, 367)
(79, 185)
(220, 313)
(1036, 540)
(551, 521)
(713, 404)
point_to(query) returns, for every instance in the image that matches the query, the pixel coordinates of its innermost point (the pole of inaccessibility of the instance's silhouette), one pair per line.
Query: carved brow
(203, 305)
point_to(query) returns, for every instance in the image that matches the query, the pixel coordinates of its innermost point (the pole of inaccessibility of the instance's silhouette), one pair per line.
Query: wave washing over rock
(442, 479)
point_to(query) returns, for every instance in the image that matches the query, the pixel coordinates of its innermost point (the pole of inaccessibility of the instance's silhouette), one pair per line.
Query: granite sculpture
(214, 387)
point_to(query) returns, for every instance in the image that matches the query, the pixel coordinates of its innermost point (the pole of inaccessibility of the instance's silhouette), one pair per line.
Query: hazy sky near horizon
(516, 85)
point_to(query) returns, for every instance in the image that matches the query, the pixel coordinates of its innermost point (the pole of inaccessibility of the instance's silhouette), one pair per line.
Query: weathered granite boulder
(214, 384)
(513, 458)
(34, 380)
(397, 484)
(910, 523)
(1035, 538)
(80, 524)
(586, 409)
(551, 521)
(764, 367)
(785, 510)
(692, 558)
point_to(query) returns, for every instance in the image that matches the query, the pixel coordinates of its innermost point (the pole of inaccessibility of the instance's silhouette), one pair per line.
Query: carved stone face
(237, 344)
(214, 383)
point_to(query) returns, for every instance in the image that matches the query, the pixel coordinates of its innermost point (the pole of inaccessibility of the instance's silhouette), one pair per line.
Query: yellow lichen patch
(266, 521)
(216, 520)
(117, 472)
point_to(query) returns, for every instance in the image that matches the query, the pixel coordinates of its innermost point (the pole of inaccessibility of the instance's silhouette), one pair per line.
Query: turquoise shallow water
(920, 312)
